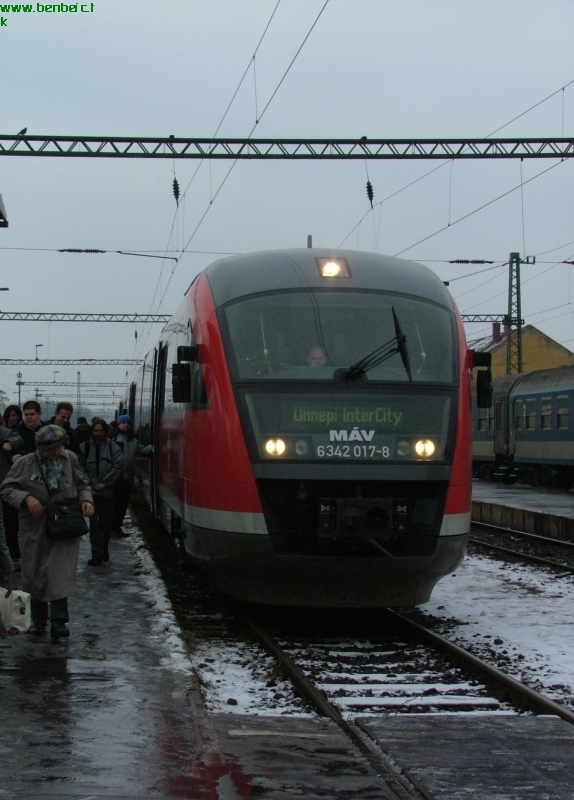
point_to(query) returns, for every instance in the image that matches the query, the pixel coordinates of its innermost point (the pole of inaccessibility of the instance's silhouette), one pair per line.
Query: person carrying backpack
(102, 462)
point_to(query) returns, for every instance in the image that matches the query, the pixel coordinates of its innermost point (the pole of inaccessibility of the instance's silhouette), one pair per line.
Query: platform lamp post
(37, 346)
(3, 215)
(19, 385)
(56, 372)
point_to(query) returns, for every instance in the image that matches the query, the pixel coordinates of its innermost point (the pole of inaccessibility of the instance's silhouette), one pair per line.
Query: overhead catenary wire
(444, 163)
(533, 277)
(282, 79)
(480, 208)
(132, 251)
(184, 194)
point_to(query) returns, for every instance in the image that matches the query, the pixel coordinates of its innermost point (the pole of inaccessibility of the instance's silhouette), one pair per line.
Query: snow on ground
(520, 615)
(166, 633)
(240, 678)
(236, 677)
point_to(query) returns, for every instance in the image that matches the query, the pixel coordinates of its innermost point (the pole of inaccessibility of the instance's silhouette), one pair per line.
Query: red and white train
(311, 416)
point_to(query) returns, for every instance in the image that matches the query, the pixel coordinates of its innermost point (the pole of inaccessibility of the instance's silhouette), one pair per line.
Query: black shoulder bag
(64, 520)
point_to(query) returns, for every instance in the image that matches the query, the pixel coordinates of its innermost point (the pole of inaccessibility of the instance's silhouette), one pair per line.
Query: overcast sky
(378, 68)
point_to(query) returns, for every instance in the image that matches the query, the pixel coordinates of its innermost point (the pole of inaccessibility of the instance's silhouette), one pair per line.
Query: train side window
(562, 413)
(546, 413)
(530, 415)
(519, 411)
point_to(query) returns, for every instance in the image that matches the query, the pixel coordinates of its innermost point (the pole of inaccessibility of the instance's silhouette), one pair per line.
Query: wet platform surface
(550, 501)
(482, 758)
(112, 713)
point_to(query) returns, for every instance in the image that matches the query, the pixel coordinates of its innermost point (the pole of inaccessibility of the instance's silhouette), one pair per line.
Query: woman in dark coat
(11, 445)
(48, 567)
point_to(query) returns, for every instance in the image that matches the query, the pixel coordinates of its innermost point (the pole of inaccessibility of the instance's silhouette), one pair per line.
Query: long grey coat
(48, 568)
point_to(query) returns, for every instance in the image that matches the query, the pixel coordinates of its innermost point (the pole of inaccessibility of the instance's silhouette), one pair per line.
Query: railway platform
(115, 712)
(546, 512)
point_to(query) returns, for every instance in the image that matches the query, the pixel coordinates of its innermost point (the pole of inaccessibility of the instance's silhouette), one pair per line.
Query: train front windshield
(307, 337)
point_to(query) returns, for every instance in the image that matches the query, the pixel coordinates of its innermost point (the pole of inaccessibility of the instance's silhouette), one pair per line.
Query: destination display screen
(339, 426)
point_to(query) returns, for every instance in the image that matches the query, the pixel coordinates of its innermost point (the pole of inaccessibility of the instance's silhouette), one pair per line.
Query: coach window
(519, 411)
(530, 415)
(562, 413)
(546, 413)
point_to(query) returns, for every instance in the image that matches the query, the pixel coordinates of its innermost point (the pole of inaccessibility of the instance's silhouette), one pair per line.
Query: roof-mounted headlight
(333, 267)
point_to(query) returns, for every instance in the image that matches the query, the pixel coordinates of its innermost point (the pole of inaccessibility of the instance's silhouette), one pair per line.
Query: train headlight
(425, 448)
(301, 447)
(403, 448)
(333, 267)
(275, 447)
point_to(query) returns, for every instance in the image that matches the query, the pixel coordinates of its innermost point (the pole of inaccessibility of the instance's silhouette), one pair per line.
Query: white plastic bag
(14, 611)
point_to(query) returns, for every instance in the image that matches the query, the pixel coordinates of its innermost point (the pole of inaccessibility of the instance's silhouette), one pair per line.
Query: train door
(514, 410)
(132, 403)
(157, 408)
(500, 427)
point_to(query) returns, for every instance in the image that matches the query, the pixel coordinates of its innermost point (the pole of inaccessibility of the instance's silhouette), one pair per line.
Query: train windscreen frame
(310, 334)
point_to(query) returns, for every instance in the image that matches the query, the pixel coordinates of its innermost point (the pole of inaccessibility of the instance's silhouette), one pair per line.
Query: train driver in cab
(316, 357)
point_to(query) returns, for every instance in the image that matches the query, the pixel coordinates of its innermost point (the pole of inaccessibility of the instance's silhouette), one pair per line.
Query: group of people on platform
(92, 465)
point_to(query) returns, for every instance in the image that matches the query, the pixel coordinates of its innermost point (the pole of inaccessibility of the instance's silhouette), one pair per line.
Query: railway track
(395, 674)
(344, 665)
(409, 670)
(495, 538)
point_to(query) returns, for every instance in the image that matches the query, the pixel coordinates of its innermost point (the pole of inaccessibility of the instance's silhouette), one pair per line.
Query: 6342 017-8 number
(357, 451)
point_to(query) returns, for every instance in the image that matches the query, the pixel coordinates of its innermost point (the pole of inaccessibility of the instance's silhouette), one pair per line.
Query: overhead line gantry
(37, 316)
(58, 384)
(170, 147)
(70, 362)
(56, 316)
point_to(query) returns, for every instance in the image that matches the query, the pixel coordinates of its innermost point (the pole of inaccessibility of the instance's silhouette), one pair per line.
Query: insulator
(176, 190)
(470, 261)
(370, 192)
(77, 250)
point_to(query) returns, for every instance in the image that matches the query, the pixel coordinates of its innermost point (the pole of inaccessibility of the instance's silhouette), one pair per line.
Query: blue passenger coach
(527, 433)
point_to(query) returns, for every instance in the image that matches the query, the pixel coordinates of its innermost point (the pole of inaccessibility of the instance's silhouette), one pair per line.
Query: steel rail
(524, 556)
(330, 149)
(531, 695)
(524, 534)
(398, 784)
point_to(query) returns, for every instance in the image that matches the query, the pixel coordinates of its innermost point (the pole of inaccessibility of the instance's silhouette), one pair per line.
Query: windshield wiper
(398, 344)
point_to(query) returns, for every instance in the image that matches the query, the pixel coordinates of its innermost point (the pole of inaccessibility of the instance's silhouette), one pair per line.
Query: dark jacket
(15, 440)
(83, 436)
(28, 435)
(72, 442)
(131, 447)
(101, 462)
